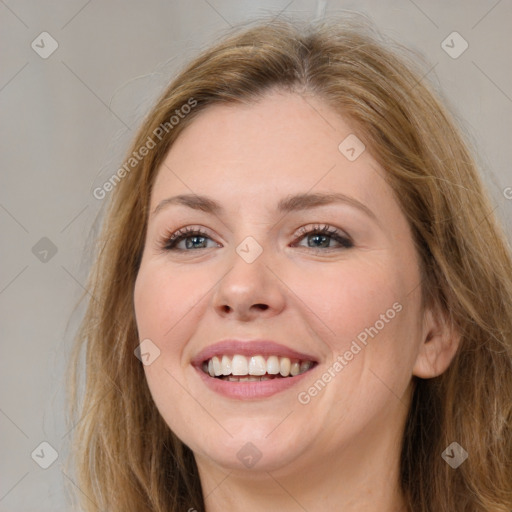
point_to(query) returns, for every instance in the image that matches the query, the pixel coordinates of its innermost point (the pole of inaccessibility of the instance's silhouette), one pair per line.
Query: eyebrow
(297, 202)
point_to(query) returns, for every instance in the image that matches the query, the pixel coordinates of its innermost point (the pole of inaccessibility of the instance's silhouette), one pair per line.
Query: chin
(255, 445)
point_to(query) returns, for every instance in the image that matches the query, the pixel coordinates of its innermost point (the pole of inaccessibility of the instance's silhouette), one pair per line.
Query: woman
(302, 299)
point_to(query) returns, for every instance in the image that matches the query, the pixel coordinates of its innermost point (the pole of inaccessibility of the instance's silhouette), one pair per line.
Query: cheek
(368, 316)
(150, 302)
(164, 301)
(349, 298)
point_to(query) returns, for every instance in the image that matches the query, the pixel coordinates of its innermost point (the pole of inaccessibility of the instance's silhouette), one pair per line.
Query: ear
(440, 341)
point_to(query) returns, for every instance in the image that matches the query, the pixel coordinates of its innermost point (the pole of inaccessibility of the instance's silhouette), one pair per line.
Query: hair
(127, 458)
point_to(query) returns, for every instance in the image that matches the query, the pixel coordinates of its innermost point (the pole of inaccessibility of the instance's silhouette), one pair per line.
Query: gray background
(66, 124)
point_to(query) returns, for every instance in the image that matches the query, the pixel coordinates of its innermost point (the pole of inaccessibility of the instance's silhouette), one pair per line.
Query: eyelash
(170, 240)
(317, 229)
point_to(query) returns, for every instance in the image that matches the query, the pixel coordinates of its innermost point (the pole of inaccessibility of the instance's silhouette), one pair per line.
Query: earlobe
(440, 341)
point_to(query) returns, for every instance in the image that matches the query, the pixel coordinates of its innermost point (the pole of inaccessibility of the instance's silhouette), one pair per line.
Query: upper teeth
(255, 365)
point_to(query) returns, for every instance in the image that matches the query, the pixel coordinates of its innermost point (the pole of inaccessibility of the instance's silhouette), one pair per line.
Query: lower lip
(250, 390)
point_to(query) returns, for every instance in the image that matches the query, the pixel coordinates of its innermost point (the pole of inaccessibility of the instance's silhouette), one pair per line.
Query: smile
(252, 369)
(240, 368)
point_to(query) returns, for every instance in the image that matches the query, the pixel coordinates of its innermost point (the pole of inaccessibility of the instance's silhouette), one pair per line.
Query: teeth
(226, 365)
(257, 365)
(273, 365)
(304, 366)
(230, 378)
(255, 368)
(239, 365)
(217, 367)
(284, 367)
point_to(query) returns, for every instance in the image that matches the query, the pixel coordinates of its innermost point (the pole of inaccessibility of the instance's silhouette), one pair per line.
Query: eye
(194, 238)
(318, 236)
(321, 236)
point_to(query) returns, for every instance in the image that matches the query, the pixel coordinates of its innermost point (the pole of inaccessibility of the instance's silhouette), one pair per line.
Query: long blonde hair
(126, 457)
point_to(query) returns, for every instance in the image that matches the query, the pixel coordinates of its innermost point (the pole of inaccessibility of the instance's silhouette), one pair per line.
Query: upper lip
(249, 348)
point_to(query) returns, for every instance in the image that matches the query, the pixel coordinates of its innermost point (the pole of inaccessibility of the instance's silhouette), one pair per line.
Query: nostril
(263, 307)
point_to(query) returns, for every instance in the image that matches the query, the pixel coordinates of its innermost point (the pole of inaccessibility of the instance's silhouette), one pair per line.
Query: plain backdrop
(67, 120)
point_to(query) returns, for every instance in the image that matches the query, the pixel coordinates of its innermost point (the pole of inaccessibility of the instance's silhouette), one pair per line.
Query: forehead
(283, 143)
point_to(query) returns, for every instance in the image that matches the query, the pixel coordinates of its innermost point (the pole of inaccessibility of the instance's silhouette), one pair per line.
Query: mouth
(251, 369)
(256, 368)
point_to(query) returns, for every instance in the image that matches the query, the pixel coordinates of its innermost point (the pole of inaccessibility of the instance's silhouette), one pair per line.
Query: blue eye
(319, 237)
(194, 239)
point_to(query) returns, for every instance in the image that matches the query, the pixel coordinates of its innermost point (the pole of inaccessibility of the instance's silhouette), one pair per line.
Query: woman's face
(303, 263)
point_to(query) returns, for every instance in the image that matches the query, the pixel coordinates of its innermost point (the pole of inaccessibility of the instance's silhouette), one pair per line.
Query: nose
(249, 290)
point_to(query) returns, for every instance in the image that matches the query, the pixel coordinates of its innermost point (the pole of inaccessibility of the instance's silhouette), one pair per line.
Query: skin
(341, 450)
